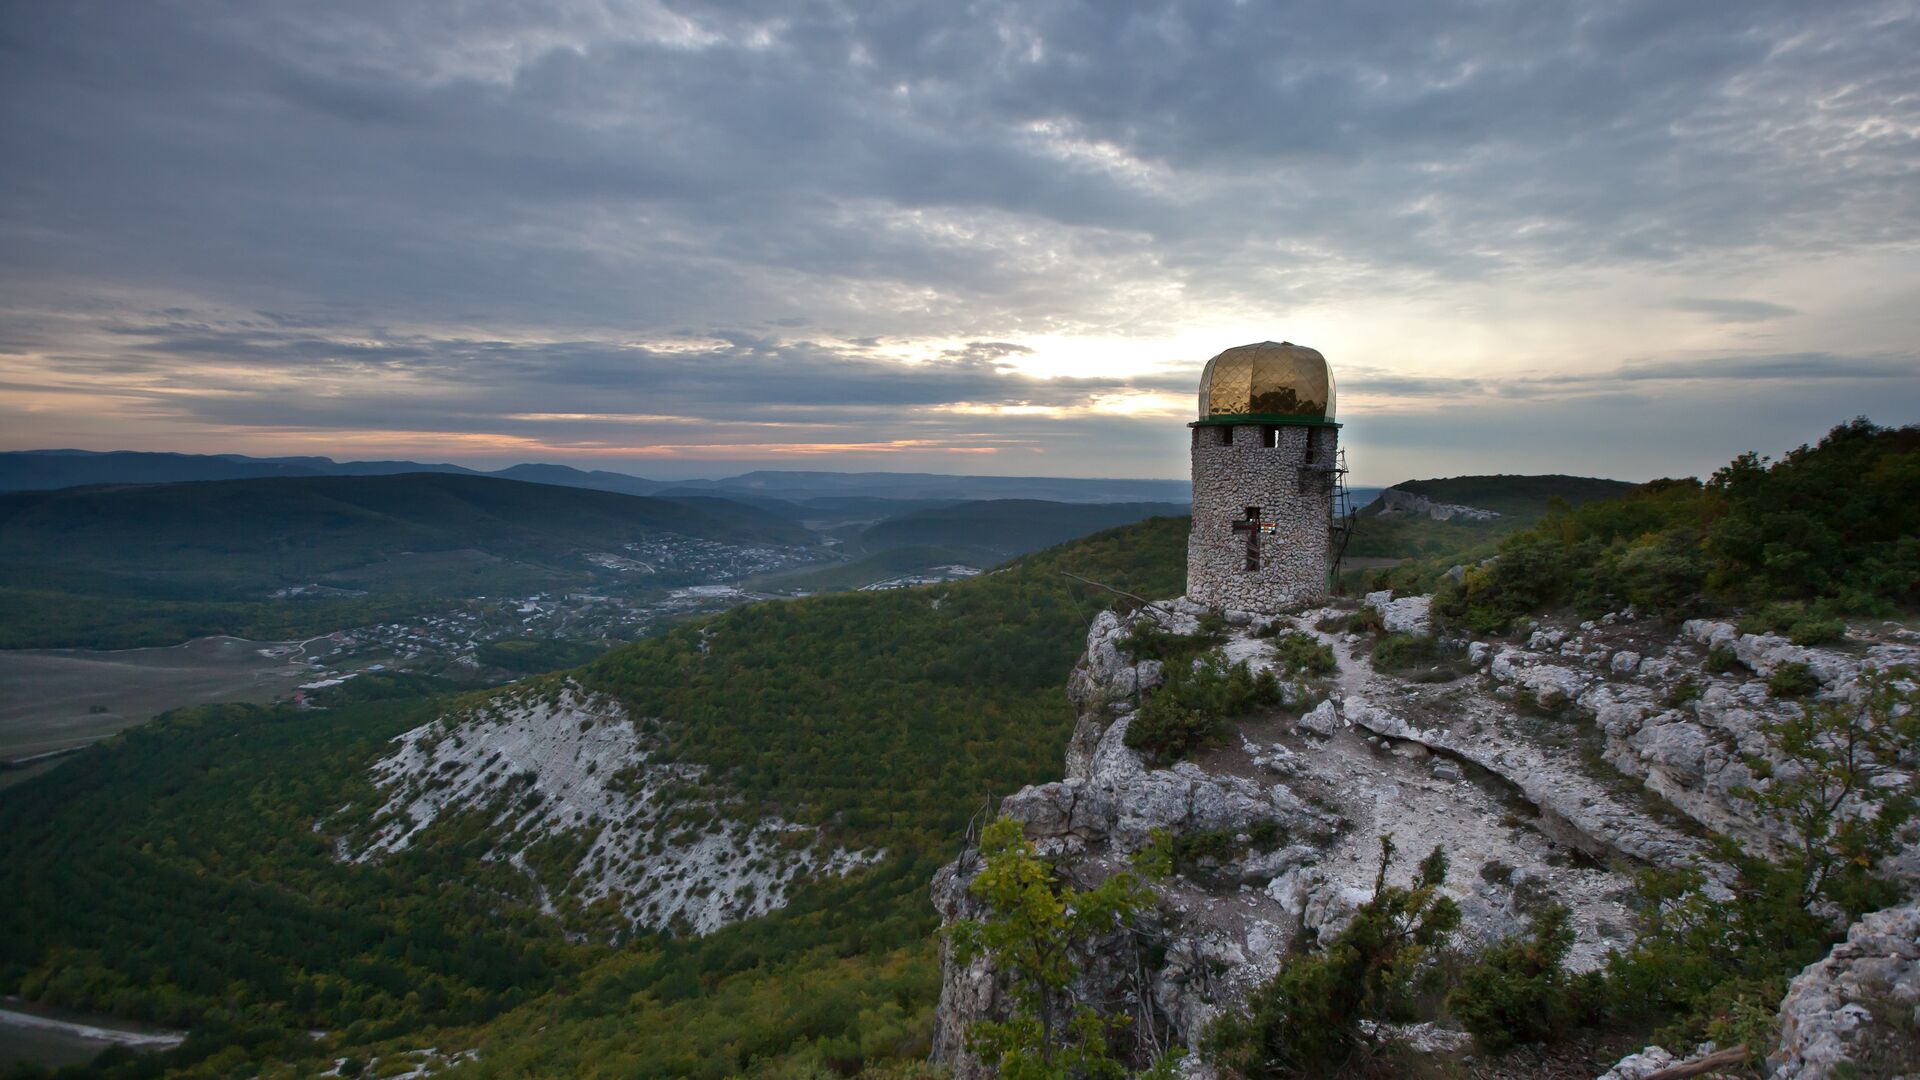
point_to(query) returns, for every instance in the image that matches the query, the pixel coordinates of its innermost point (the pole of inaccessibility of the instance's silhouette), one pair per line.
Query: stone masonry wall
(1290, 491)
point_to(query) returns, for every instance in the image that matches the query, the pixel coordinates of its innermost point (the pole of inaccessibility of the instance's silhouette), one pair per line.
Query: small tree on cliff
(1306, 1020)
(1845, 789)
(1033, 925)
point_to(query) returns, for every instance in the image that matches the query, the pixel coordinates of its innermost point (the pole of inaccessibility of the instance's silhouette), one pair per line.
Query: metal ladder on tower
(1344, 514)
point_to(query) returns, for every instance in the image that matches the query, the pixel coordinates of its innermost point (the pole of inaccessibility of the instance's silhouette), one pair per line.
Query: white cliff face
(574, 795)
(1548, 777)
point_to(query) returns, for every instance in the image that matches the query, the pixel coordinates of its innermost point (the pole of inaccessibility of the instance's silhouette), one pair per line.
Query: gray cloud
(494, 203)
(1733, 311)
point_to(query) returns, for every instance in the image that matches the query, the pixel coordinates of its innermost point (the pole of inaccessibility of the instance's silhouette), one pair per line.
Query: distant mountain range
(42, 470)
(271, 531)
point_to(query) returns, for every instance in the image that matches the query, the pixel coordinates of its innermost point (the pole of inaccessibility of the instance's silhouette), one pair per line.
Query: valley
(707, 851)
(55, 700)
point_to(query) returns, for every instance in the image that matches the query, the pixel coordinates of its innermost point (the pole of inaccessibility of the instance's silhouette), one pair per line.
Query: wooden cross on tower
(1251, 526)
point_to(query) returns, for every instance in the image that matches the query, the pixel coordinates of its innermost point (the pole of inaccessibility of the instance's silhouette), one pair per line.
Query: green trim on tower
(1274, 419)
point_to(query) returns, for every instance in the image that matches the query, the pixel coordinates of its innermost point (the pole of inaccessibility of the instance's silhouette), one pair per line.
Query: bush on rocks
(1306, 1020)
(1518, 991)
(1791, 681)
(1422, 659)
(1190, 711)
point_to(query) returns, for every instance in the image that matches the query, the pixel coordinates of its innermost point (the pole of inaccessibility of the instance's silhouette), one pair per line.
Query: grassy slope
(883, 717)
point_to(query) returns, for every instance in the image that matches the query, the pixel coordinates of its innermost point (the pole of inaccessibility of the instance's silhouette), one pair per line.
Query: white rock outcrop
(1407, 615)
(1861, 1002)
(1394, 502)
(571, 766)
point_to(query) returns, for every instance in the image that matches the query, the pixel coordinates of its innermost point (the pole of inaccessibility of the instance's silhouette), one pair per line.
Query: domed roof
(1267, 382)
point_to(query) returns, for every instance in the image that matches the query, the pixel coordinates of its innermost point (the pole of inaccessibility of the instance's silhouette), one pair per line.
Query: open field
(56, 699)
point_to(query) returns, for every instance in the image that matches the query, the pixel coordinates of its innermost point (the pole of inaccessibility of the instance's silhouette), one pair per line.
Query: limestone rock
(1322, 719)
(1838, 1008)
(1636, 1066)
(1407, 615)
(1394, 502)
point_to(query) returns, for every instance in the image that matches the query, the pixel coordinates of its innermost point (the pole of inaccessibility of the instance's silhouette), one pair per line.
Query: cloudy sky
(1622, 239)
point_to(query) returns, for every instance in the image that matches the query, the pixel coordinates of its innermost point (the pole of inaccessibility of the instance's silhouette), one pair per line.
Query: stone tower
(1265, 452)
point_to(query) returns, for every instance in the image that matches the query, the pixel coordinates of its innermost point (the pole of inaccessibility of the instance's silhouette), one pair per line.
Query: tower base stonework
(1286, 474)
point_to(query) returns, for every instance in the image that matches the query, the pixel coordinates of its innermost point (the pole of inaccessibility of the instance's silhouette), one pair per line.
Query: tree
(1839, 788)
(1034, 925)
(1518, 990)
(1306, 1020)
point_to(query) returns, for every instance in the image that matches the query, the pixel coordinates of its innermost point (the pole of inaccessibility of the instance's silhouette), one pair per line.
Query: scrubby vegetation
(1306, 1021)
(1302, 654)
(1034, 928)
(1518, 991)
(1827, 530)
(1419, 658)
(1192, 709)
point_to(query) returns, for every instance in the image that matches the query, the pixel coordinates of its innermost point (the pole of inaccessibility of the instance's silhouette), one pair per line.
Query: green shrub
(1424, 659)
(1722, 660)
(1032, 926)
(1305, 1021)
(1303, 654)
(1200, 852)
(1148, 640)
(1685, 692)
(1190, 710)
(1803, 624)
(1518, 991)
(1792, 680)
(1165, 731)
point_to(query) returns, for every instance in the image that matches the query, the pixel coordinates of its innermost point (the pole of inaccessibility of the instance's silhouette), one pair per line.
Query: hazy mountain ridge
(36, 470)
(1001, 528)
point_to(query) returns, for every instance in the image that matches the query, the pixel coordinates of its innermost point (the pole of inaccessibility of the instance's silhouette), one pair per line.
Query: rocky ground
(569, 791)
(1549, 768)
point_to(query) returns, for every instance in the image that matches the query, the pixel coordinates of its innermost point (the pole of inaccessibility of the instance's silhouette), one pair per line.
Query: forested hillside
(249, 532)
(1000, 528)
(1828, 530)
(887, 718)
(1519, 500)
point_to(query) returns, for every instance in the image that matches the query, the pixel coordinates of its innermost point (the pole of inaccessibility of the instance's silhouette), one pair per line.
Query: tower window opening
(1252, 528)
(1270, 438)
(1226, 436)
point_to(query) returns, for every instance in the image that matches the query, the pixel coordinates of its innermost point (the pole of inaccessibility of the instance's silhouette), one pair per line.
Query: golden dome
(1270, 382)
